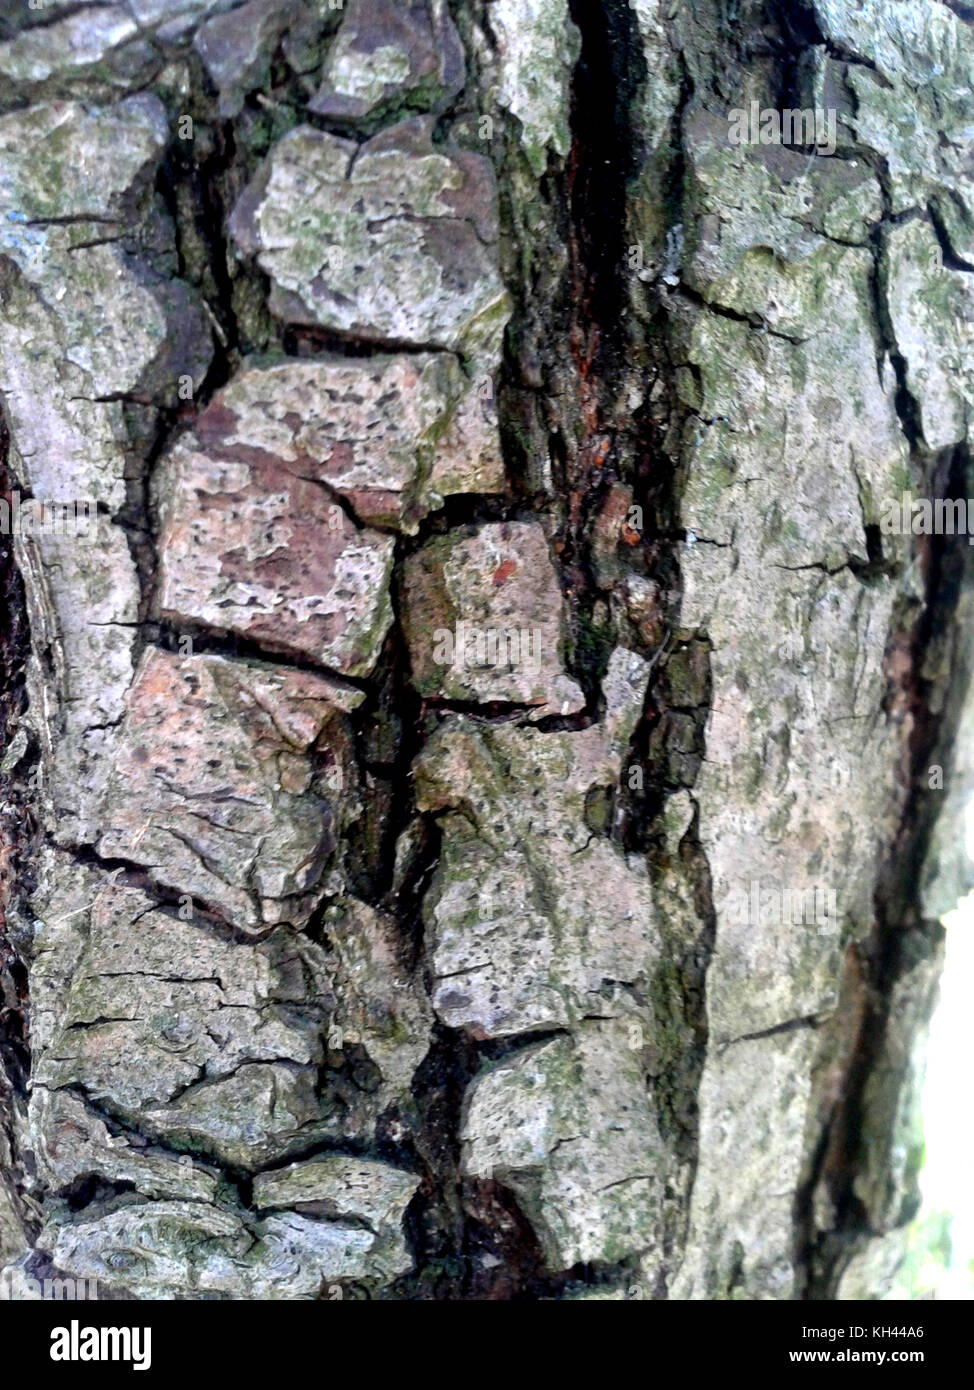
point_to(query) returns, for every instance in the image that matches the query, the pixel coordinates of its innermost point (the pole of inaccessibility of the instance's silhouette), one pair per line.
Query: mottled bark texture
(343, 952)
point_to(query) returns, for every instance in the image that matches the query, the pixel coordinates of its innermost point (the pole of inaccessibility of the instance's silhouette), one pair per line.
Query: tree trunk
(481, 747)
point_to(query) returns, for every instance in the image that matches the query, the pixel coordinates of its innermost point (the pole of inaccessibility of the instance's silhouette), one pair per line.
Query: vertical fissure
(928, 697)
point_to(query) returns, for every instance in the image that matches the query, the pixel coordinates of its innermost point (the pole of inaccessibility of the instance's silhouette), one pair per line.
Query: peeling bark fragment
(568, 1126)
(56, 160)
(484, 619)
(212, 791)
(254, 537)
(68, 303)
(381, 1005)
(159, 1038)
(178, 16)
(163, 1021)
(537, 47)
(536, 921)
(389, 50)
(217, 1046)
(180, 1249)
(736, 191)
(655, 139)
(260, 1113)
(754, 1101)
(14, 1242)
(70, 46)
(908, 68)
(891, 1113)
(924, 294)
(156, 1004)
(72, 1142)
(236, 48)
(338, 1187)
(84, 621)
(350, 1219)
(390, 241)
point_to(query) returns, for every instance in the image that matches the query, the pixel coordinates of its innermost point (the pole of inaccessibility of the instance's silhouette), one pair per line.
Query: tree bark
(482, 756)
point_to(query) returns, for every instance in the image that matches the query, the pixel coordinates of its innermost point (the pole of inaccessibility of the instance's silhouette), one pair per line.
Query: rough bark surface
(343, 953)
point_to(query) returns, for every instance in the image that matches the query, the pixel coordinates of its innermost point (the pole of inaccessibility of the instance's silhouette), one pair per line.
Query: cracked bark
(331, 962)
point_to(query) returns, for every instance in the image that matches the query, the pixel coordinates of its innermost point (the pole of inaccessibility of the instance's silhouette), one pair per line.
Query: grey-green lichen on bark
(488, 588)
